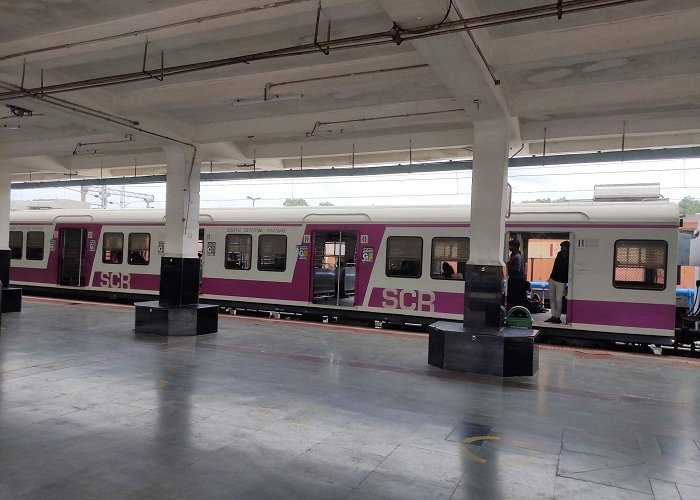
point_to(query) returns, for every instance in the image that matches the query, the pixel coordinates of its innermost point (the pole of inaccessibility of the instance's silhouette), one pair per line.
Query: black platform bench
(194, 319)
(505, 352)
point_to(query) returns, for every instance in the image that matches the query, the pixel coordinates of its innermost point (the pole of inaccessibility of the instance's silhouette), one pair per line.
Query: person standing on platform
(201, 270)
(557, 283)
(516, 277)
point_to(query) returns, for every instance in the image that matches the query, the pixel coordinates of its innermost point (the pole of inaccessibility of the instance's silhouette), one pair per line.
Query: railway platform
(269, 409)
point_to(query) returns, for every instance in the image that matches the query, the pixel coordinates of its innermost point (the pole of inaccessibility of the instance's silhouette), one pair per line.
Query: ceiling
(585, 78)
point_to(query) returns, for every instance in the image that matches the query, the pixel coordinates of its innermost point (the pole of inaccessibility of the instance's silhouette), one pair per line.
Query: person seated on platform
(447, 270)
(557, 282)
(535, 304)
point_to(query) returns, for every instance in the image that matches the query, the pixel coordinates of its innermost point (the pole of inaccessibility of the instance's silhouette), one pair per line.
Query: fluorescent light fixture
(262, 100)
(92, 152)
(11, 127)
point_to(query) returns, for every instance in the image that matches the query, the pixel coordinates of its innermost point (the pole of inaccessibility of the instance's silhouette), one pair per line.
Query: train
(382, 264)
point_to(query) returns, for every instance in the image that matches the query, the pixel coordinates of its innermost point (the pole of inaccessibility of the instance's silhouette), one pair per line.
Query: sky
(678, 178)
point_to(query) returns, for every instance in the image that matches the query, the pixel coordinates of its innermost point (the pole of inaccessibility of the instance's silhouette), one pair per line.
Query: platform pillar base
(11, 299)
(503, 352)
(188, 320)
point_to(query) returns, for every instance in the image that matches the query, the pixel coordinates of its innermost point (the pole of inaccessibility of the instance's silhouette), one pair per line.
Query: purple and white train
(386, 264)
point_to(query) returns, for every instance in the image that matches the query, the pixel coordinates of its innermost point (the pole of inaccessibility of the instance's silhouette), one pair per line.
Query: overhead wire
(425, 29)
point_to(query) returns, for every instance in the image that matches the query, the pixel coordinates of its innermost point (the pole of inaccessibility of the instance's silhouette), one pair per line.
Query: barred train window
(16, 241)
(113, 248)
(139, 249)
(272, 252)
(238, 251)
(35, 245)
(404, 256)
(449, 258)
(640, 264)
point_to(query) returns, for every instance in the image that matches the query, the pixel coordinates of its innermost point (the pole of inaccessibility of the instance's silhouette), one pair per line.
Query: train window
(16, 242)
(35, 245)
(449, 258)
(139, 249)
(640, 264)
(113, 248)
(272, 252)
(238, 251)
(404, 256)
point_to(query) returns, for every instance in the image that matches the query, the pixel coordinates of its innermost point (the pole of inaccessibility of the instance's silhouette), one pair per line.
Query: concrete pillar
(481, 344)
(484, 273)
(178, 311)
(181, 202)
(11, 300)
(5, 178)
(5, 187)
(179, 268)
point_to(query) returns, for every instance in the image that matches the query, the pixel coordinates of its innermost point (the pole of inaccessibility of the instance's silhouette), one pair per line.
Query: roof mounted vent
(627, 192)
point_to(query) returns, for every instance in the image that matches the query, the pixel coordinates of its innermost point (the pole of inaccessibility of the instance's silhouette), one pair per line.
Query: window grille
(404, 256)
(640, 264)
(238, 251)
(272, 252)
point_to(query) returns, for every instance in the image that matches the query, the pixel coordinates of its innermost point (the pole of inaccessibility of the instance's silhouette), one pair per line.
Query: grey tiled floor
(274, 409)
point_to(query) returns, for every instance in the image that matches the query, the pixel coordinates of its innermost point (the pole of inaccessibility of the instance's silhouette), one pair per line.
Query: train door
(72, 257)
(539, 250)
(334, 268)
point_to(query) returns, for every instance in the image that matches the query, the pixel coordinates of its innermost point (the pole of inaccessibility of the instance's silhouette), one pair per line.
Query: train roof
(657, 211)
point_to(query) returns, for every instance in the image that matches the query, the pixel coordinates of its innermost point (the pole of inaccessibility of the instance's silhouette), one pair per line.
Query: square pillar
(179, 266)
(481, 344)
(483, 288)
(179, 281)
(12, 296)
(177, 310)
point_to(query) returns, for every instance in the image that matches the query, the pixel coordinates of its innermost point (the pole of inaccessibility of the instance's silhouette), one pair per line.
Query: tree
(326, 204)
(295, 202)
(546, 200)
(689, 205)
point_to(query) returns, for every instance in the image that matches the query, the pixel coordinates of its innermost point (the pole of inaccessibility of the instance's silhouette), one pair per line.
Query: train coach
(379, 263)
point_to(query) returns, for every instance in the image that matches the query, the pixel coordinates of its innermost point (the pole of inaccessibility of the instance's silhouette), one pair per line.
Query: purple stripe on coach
(630, 314)
(585, 225)
(253, 289)
(32, 275)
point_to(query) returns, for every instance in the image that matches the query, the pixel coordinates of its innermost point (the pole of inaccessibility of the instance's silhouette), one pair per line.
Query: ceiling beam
(451, 136)
(596, 127)
(299, 125)
(197, 19)
(304, 80)
(571, 159)
(586, 43)
(454, 58)
(646, 94)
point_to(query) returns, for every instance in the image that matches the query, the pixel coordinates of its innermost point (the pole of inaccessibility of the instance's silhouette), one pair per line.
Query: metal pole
(544, 146)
